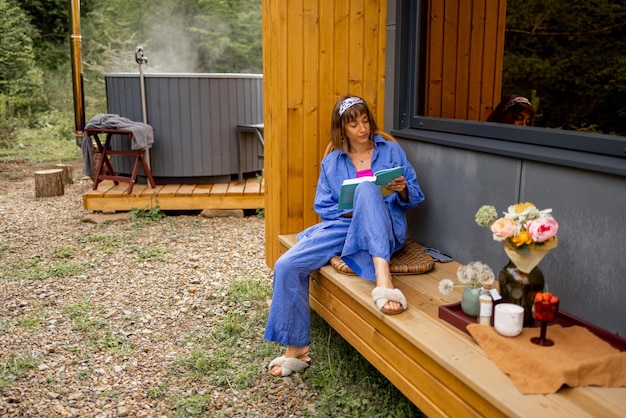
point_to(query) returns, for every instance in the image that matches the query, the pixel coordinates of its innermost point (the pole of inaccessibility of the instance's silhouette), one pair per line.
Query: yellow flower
(522, 238)
(521, 207)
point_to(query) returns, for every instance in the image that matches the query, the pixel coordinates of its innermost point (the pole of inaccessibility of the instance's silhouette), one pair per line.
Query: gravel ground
(152, 285)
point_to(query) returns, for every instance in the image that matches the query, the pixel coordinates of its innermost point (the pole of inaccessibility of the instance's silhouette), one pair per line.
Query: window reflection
(569, 58)
(513, 110)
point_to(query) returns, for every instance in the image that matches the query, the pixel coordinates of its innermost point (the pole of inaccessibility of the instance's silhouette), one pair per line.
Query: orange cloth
(577, 358)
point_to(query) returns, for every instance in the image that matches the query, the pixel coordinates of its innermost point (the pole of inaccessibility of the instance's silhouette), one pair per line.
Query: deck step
(234, 195)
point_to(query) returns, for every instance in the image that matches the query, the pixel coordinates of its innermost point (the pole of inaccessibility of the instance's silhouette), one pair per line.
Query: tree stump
(68, 173)
(49, 183)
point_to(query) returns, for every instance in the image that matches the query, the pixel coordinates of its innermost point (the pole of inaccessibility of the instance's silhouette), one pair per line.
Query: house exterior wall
(313, 52)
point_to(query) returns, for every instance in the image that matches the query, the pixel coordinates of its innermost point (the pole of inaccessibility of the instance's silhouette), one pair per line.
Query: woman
(513, 110)
(365, 236)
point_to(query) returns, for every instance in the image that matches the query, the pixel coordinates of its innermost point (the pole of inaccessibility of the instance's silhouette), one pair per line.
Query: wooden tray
(453, 315)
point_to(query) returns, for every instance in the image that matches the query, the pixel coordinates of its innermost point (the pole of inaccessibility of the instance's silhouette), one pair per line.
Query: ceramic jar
(470, 302)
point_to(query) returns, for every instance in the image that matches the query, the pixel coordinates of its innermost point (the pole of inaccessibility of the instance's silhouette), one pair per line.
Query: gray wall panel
(456, 183)
(588, 268)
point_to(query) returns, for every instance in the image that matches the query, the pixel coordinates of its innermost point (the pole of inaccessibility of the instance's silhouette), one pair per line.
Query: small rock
(123, 411)
(74, 396)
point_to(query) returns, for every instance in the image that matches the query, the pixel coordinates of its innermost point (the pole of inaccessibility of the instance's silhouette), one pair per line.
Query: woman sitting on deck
(366, 236)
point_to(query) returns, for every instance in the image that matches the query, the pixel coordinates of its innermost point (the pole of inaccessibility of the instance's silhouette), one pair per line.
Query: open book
(380, 178)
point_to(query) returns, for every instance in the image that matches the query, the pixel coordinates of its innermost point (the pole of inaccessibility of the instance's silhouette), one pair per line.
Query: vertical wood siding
(195, 117)
(313, 52)
(465, 53)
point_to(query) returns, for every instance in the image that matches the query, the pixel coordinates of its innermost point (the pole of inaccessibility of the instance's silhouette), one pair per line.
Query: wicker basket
(411, 259)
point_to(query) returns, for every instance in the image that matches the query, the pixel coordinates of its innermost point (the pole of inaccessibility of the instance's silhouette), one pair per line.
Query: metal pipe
(77, 70)
(142, 59)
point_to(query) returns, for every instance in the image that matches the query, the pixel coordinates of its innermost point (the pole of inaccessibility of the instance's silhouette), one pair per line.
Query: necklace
(362, 161)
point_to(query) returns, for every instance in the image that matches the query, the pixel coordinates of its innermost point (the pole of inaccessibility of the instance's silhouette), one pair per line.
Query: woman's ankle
(296, 351)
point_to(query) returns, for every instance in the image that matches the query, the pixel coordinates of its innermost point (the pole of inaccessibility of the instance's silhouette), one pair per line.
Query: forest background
(569, 58)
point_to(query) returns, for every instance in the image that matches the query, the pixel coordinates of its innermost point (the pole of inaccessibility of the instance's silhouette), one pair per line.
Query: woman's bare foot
(383, 279)
(299, 352)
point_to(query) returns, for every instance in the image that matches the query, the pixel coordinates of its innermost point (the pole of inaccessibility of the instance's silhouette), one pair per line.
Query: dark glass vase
(519, 288)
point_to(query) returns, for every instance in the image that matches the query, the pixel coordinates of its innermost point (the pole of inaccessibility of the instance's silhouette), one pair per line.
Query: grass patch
(33, 322)
(228, 355)
(348, 384)
(14, 366)
(191, 406)
(4, 325)
(98, 332)
(146, 253)
(233, 355)
(64, 251)
(157, 392)
(146, 216)
(35, 269)
(105, 244)
(50, 141)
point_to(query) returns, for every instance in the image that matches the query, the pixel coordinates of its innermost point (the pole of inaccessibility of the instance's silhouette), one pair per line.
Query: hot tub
(195, 117)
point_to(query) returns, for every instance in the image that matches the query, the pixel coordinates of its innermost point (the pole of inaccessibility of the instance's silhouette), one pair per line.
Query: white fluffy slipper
(381, 296)
(288, 365)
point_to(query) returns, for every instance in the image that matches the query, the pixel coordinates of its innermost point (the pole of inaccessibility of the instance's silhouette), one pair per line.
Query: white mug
(508, 319)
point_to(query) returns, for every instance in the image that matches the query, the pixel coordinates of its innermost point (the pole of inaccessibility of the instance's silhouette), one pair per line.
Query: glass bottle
(519, 288)
(486, 305)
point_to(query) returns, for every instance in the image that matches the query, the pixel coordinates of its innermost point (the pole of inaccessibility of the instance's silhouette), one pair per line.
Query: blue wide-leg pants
(368, 233)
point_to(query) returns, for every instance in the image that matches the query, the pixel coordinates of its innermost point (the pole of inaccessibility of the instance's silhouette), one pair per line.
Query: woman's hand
(399, 185)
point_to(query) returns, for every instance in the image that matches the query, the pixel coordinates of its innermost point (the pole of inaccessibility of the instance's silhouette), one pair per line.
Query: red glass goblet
(544, 312)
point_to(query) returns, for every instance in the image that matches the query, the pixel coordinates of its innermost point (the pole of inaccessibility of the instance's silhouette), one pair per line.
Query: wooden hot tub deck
(248, 194)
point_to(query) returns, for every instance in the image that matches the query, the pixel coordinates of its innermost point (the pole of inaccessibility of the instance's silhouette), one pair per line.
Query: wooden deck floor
(108, 197)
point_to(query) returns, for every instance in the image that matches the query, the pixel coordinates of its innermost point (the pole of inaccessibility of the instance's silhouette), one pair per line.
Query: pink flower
(502, 229)
(542, 229)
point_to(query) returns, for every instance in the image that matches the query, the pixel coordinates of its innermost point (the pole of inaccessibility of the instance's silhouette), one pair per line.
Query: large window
(583, 108)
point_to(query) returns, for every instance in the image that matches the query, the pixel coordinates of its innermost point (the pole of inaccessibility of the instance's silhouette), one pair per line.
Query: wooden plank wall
(465, 56)
(313, 52)
(316, 50)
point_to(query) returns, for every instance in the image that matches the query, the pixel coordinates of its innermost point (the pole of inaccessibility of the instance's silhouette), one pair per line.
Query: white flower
(475, 273)
(446, 286)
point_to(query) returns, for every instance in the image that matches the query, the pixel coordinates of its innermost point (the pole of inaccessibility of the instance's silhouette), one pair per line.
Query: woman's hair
(353, 106)
(509, 108)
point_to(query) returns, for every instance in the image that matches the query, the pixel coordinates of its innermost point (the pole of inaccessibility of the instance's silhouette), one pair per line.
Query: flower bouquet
(528, 233)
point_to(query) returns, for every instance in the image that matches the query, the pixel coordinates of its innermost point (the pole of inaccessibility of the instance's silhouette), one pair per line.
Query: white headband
(516, 100)
(347, 103)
